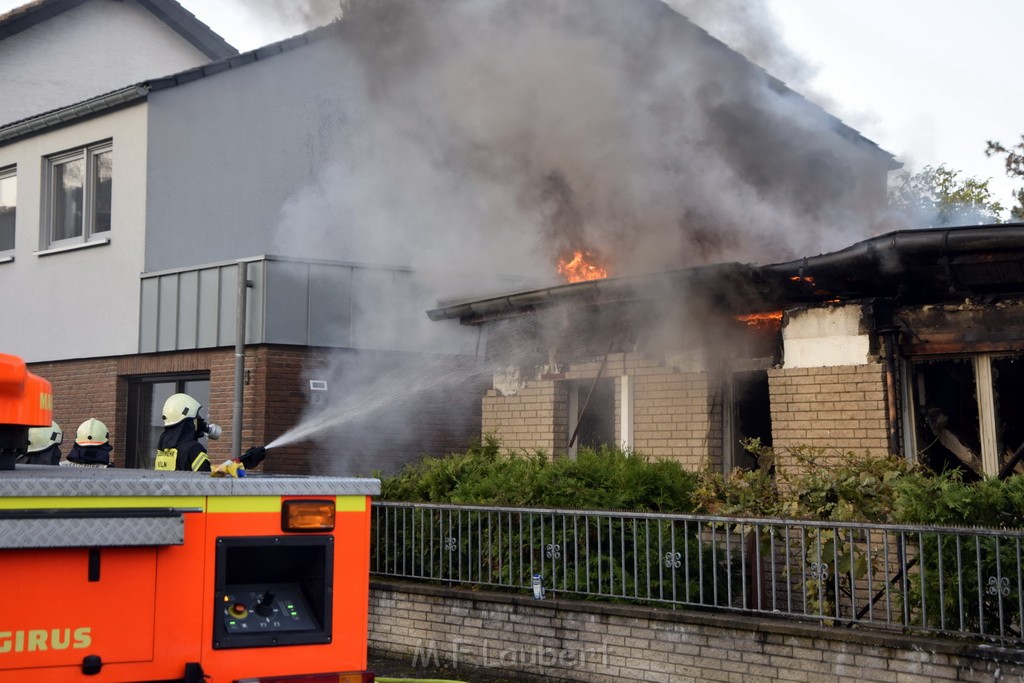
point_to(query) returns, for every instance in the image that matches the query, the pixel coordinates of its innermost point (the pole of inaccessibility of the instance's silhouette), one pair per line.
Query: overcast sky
(928, 80)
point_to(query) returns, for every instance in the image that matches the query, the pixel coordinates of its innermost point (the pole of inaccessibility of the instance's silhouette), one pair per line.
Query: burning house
(345, 178)
(907, 343)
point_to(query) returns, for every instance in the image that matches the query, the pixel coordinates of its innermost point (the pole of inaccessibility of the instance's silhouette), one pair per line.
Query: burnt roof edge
(896, 252)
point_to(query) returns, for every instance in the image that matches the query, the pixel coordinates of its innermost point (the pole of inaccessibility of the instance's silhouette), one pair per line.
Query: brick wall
(840, 409)
(494, 634)
(536, 417)
(675, 414)
(276, 398)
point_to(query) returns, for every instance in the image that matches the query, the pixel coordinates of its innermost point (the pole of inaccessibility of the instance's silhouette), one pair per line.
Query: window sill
(73, 247)
(6, 259)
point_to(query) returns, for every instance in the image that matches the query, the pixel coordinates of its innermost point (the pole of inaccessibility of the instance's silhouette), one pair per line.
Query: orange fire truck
(135, 575)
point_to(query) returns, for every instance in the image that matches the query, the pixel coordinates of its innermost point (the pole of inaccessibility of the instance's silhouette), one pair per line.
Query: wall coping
(732, 620)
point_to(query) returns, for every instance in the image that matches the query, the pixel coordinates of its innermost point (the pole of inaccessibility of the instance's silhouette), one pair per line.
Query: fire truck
(136, 575)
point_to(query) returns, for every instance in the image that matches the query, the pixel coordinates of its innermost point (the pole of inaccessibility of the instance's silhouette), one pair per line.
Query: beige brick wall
(675, 414)
(839, 409)
(490, 634)
(536, 417)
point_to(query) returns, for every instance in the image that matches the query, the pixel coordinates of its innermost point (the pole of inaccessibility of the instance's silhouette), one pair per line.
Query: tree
(1014, 169)
(940, 197)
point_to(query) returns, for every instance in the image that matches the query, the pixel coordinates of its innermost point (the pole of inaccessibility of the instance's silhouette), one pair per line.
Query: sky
(928, 80)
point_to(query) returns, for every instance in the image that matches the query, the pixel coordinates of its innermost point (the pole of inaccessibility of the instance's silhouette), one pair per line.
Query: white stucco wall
(81, 303)
(825, 337)
(94, 48)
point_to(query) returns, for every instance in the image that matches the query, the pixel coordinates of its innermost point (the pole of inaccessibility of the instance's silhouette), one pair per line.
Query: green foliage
(939, 197)
(605, 478)
(1014, 163)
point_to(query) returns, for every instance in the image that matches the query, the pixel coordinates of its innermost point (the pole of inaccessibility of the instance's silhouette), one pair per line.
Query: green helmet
(92, 432)
(41, 438)
(180, 407)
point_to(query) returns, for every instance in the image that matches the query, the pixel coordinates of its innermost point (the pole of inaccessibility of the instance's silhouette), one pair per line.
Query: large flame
(584, 265)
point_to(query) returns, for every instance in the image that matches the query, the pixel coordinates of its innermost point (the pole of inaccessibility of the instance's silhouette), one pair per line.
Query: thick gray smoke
(515, 131)
(488, 138)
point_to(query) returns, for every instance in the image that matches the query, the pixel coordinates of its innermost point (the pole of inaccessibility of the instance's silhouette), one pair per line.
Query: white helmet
(92, 432)
(179, 407)
(41, 438)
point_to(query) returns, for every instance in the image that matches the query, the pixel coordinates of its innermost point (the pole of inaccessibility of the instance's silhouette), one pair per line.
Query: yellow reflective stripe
(103, 502)
(350, 504)
(198, 462)
(244, 504)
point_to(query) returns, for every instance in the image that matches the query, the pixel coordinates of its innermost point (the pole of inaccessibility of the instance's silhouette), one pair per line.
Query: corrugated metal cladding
(290, 302)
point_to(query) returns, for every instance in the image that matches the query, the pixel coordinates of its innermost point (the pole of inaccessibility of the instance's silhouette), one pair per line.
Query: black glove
(253, 457)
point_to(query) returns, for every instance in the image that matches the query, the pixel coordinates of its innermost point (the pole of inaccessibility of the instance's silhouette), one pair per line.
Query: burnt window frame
(985, 395)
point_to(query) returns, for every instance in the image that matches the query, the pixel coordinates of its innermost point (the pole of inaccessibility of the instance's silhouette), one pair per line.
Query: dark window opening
(595, 417)
(752, 415)
(946, 412)
(1008, 387)
(146, 396)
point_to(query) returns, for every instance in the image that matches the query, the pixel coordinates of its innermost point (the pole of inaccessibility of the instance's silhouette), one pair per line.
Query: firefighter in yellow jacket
(179, 447)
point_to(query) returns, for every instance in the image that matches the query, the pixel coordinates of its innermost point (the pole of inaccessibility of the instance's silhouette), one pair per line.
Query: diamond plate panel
(40, 480)
(91, 532)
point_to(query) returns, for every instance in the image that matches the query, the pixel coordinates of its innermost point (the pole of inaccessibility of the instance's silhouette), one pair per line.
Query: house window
(8, 207)
(591, 413)
(146, 396)
(78, 194)
(966, 412)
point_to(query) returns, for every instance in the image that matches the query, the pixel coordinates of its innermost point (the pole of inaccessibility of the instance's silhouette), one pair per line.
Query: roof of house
(183, 22)
(910, 266)
(234, 60)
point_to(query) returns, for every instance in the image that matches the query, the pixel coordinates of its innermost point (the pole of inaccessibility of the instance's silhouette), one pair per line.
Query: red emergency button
(238, 610)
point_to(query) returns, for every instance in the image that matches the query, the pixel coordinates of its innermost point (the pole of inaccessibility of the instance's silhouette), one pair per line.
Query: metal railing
(945, 581)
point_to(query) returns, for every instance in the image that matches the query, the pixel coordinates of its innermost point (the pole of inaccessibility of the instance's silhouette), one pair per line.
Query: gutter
(75, 112)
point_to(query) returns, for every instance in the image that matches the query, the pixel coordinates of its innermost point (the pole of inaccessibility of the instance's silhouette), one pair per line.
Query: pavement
(404, 670)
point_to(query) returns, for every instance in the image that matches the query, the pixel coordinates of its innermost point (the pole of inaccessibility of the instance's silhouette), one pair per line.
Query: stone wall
(478, 632)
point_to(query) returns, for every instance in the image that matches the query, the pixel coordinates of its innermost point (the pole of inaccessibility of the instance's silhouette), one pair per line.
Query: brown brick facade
(839, 409)
(276, 398)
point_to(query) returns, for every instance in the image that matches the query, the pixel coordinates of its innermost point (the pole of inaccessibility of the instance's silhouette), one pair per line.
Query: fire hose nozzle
(213, 431)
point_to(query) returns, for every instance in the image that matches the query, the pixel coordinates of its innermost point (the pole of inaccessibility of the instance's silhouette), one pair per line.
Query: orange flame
(762, 321)
(582, 266)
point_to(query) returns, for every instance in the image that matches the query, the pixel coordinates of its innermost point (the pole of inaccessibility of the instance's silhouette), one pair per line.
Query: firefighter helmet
(92, 432)
(41, 438)
(180, 407)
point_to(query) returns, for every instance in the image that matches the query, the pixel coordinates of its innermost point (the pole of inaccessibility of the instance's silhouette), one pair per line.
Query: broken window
(966, 412)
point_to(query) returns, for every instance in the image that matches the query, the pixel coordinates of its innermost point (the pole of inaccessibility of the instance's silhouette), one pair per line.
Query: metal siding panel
(373, 300)
(188, 314)
(208, 301)
(287, 302)
(149, 315)
(226, 310)
(167, 306)
(330, 305)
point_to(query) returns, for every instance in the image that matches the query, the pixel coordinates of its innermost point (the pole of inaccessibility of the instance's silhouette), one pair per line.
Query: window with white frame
(8, 207)
(78, 195)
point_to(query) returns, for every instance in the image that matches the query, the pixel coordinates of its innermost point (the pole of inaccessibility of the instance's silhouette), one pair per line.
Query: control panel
(277, 608)
(273, 590)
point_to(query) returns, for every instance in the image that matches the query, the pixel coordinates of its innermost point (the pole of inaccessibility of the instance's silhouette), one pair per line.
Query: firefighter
(92, 447)
(43, 446)
(179, 447)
